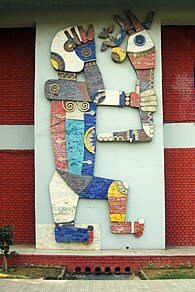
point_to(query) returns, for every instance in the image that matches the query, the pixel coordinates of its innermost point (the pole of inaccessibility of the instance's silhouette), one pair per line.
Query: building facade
(160, 173)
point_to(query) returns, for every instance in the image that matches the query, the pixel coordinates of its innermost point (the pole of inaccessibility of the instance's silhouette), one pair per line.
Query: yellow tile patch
(54, 64)
(114, 192)
(120, 54)
(88, 140)
(117, 217)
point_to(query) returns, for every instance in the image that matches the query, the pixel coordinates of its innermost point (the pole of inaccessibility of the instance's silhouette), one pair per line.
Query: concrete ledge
(169, 251)
(179, 135)
(17, 137)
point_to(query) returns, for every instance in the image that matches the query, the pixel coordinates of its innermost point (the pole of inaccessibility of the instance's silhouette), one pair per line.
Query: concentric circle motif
(68, 47)
(139, 40)
(70, 106)
(86, 52)
(54, 88)
(118, 55)
(83, 106)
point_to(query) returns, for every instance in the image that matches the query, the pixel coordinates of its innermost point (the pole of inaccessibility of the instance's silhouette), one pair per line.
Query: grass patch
(52, 273)
(31, 273)
(160, 274)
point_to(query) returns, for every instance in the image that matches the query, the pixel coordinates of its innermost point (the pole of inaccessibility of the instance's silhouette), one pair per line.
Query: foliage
(6, 237)
(167, 267)
(185, 266)
(157, 274)
(150, 266)
(188, 265)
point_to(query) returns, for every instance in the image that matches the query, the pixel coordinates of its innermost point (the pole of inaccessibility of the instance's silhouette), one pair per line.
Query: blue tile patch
(122, 98)
(120, 37)
(90, 121)
(86, 52)
(71, 234)
(97, 189)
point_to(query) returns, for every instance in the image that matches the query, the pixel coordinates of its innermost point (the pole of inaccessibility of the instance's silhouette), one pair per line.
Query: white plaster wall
(141, 164)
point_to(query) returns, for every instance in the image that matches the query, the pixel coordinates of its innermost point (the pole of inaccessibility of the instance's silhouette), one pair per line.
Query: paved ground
(40, 285)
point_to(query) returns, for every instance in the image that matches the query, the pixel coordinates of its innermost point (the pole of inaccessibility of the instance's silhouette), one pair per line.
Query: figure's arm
(110, 98)
(146, 102)
(131, 136)
(93, 78)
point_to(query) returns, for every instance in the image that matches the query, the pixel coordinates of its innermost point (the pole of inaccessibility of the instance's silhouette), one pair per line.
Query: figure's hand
(148, 101)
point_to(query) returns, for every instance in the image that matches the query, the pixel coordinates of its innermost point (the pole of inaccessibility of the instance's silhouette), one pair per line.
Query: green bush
(6, 237)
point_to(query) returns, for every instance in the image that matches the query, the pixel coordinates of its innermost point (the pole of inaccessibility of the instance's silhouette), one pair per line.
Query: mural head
(140, 47)
(71, 48)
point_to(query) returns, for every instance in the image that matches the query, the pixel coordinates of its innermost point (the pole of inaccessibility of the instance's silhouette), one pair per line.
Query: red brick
(178, 59)
(17, 194)
(134, 262)
(180, 196)
(17, 57)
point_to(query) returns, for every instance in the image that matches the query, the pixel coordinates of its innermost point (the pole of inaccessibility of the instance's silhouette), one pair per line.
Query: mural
(73, 121)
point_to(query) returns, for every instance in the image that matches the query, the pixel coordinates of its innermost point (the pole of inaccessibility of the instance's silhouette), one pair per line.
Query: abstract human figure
(73, 131)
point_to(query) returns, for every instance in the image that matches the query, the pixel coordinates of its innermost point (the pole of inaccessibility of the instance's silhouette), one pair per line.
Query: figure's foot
(74, 234)
(132, 227)
(71, 234)
(139, 227)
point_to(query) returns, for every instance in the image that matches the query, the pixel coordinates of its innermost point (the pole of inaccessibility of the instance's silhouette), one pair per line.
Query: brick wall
(17, 194)
(180, 196)
(135, 263)
(178, 59)
(178, 56)
(17, 55)
(17, 108)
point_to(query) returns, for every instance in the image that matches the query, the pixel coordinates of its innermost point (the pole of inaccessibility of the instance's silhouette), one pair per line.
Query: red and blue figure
(73, 132)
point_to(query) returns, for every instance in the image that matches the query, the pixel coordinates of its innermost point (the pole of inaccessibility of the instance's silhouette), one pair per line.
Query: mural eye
(139, 40)
(68, 47)
(139, 43)
(86, 52)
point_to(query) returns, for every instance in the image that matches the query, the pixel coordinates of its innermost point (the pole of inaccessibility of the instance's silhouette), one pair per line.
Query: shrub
(6, 237)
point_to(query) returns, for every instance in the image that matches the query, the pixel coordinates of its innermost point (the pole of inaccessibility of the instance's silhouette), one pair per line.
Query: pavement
(40, 285)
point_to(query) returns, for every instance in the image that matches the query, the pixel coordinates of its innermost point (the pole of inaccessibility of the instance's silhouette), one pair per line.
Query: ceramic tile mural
(73, 121)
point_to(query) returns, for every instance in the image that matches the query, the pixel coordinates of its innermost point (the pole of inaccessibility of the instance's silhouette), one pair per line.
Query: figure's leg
(117, 193)
(64, 196)
(64, 203)
(117, 201)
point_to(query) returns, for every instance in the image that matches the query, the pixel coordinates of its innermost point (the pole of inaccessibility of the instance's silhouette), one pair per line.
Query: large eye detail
(139, 40)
